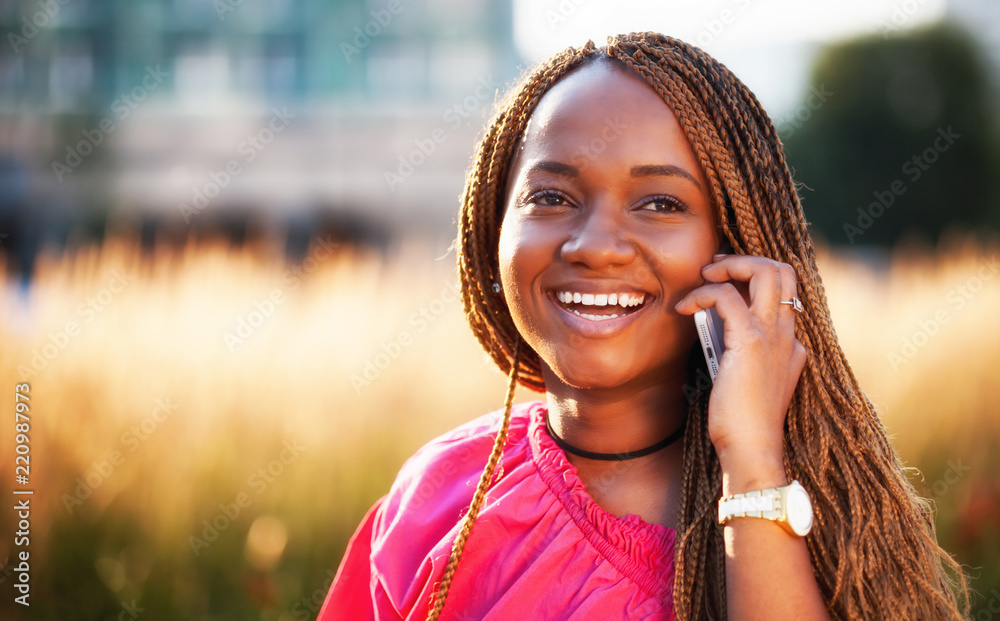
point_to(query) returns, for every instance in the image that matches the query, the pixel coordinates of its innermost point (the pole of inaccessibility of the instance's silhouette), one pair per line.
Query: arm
(768, 571)
(769, 574)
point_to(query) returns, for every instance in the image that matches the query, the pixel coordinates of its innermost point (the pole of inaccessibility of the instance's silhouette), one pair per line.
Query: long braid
(469, 520)
(700, 547)
(873, 547)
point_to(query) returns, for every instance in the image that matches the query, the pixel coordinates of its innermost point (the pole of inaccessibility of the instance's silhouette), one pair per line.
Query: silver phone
(710, 333)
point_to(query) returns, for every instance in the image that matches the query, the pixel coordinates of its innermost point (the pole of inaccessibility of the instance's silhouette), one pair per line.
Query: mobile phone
(710, 332)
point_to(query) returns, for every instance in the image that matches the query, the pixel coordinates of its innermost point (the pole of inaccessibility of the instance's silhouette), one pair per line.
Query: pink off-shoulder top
(540, 549)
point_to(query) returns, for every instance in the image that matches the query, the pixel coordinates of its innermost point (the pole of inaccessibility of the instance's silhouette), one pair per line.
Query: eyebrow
(647, 170)
(556, 168)
(665, 171)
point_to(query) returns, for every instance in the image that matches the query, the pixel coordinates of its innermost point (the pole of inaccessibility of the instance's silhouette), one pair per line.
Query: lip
(597, 329)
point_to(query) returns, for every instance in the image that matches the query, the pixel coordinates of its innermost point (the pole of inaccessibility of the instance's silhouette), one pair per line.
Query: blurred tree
(902, 141)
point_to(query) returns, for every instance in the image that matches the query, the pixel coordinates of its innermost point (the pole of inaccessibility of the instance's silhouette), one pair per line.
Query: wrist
(750, 467)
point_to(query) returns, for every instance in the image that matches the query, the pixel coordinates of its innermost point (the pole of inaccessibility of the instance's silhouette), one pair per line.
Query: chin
(591, 372)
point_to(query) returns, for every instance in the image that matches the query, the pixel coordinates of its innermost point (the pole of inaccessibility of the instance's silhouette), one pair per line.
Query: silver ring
(795, 303)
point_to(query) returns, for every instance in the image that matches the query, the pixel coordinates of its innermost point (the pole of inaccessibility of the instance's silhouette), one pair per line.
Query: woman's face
(608, 223)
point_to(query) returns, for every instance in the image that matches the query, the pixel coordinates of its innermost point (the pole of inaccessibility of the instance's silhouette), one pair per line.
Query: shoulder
(446, 465)
(415, 524)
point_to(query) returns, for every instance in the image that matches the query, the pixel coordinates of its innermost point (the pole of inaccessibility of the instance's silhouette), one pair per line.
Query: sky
(769, 44)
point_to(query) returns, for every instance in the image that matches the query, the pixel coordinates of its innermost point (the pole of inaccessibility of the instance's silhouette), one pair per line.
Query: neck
(620, 419)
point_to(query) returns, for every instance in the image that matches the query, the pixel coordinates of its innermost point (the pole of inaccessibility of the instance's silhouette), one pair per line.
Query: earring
(496, 287)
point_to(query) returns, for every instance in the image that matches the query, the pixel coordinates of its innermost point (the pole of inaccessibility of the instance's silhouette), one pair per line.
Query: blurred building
(289, 111)
(74, 55)
(193, 114)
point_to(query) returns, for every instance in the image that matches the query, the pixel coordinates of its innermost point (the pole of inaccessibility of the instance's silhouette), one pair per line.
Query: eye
(663, 204)
(548, 198)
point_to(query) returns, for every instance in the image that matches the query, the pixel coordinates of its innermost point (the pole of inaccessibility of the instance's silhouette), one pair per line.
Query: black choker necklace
(662, 444)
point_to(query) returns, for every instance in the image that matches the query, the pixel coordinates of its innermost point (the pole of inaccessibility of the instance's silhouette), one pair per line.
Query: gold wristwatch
(789, 506)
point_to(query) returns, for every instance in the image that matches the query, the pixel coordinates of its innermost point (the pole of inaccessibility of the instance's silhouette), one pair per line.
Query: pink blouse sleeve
(350, 596)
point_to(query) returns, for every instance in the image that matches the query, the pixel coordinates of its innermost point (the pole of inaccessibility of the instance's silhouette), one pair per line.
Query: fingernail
(716, 257)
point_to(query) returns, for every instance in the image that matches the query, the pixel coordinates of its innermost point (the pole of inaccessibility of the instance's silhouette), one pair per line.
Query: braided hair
(873, 546)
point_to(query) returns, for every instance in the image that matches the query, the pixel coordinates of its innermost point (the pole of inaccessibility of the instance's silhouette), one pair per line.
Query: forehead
(603, 109)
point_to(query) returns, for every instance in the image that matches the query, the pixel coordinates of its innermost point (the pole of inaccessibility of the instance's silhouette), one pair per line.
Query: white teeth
(624, 300)
(595, 317)
(627, 300)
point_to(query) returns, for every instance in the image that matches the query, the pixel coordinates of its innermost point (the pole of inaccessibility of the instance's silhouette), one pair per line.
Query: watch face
(799, 510)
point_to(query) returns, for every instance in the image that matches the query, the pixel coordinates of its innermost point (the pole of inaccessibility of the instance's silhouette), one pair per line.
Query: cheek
(524, 253)
(521, 254)
(513, 260)
(680, 261)
(507, 257)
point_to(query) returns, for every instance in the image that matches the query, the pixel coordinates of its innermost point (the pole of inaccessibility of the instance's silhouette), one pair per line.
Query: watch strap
(764, 503)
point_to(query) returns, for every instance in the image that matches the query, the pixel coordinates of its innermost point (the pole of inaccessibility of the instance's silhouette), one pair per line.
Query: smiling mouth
(601, 306)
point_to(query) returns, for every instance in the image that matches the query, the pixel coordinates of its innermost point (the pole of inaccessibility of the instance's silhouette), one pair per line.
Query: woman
(617, 191)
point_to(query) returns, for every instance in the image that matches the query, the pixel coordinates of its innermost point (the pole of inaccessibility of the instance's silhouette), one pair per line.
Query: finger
(789, 285)
(769, 281)
(726, 300)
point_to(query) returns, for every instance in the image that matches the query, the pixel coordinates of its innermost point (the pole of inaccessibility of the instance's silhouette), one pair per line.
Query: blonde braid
(441, 593)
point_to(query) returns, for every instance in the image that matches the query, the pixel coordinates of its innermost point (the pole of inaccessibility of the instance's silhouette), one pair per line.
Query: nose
(599, 240)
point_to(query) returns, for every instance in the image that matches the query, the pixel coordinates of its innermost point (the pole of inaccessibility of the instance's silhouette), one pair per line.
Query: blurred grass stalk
(167, 389)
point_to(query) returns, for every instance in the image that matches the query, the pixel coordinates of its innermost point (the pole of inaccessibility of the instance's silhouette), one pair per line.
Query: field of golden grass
(208, 425)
